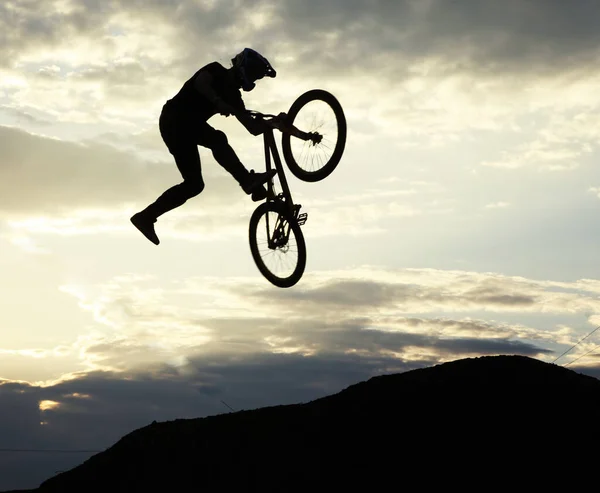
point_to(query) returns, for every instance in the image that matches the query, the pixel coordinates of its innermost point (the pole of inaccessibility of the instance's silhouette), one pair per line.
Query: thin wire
(228, 406)
(584, 354)
(576, 344)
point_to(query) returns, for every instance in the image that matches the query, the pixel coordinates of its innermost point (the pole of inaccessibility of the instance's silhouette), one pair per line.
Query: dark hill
(500, 418)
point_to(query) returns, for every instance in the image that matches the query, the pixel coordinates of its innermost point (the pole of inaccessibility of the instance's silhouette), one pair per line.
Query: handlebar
(262, 115)
(280, 122)
(274, 121)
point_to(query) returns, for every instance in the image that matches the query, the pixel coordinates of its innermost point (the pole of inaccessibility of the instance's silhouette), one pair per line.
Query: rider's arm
(203, 84)
(254, 126)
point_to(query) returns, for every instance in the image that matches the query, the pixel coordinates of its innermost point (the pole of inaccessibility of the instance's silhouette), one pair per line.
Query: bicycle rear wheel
(277, 245)
(317, 112)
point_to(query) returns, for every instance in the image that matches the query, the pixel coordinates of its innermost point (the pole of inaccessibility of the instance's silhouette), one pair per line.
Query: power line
(584, 354)
(228, 406)
(581, 340)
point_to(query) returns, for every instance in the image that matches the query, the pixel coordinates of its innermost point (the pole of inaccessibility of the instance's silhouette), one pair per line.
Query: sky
(462, 220)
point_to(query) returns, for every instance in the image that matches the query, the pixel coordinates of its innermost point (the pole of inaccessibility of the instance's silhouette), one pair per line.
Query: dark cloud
(336, 35)
(360, 293)
(36, 24)
(49, 176)
(97, 408)
(32, 25)
(238, 368)
(20, 415)
(43, 174)
(473, 346)
(472, 326)
(371, 343)
(117, 403)
(351, 292)
(592, 371)
(516, 35)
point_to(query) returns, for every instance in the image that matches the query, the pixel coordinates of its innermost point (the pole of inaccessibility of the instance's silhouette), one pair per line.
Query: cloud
(519, 36)
(423, 290)
(439, 72)
(92, 410)
(525, 35)
(423, 59)
(37, 27)
(68, 188)
(411, 76)
(56, 176)
(22, 116)
(412, 313)
(115, 404)
(559, 145)
(164, 351)
(595, 190)
(59, 185)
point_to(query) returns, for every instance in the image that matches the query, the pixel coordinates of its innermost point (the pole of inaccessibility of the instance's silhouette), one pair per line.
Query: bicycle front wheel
(277, 245)
(320, 113)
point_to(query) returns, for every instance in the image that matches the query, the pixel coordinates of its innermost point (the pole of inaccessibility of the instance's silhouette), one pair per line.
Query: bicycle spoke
(316, 118)
(282, 259)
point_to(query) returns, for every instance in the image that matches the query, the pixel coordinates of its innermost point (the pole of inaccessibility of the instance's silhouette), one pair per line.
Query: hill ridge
(505, 397)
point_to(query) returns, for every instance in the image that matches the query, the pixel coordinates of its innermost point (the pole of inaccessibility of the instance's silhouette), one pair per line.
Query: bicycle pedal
(302, 218)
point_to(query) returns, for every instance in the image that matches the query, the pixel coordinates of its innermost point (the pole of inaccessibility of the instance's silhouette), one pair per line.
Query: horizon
(153, 453)
(460, 222)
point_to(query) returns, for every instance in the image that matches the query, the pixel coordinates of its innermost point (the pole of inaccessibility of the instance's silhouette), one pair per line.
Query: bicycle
(281, 233)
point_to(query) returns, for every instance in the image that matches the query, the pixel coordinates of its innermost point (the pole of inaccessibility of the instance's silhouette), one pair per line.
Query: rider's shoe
(145, 224)
(259, 194)
(255, 180)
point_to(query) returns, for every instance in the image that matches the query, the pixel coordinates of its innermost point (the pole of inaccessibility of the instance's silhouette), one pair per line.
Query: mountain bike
(313, 141)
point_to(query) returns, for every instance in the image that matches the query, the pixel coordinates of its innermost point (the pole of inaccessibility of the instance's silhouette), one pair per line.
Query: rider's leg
(178, 136)
(224, 154)
(181, 145)
(188, 163)
(217, 142)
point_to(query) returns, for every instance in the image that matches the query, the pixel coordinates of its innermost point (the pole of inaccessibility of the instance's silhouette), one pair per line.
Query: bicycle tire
(272, 277)
(297, 170)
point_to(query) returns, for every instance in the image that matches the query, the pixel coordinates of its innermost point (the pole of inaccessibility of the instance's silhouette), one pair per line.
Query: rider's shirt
(192, 106)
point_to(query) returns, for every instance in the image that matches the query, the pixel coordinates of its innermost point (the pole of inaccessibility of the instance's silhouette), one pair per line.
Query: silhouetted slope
(491, 416)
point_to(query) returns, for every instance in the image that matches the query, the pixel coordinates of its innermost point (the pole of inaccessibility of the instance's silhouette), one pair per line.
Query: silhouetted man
(183, 126)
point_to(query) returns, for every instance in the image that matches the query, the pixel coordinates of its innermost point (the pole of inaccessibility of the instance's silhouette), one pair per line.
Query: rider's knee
(219, 139)
(193, 188)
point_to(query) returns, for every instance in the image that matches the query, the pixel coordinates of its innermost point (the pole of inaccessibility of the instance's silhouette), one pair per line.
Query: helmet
(251, 66)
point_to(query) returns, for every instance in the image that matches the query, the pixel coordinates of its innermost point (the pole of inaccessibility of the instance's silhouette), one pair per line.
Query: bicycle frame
(281, 255)
(271, 150)
(281, 231)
